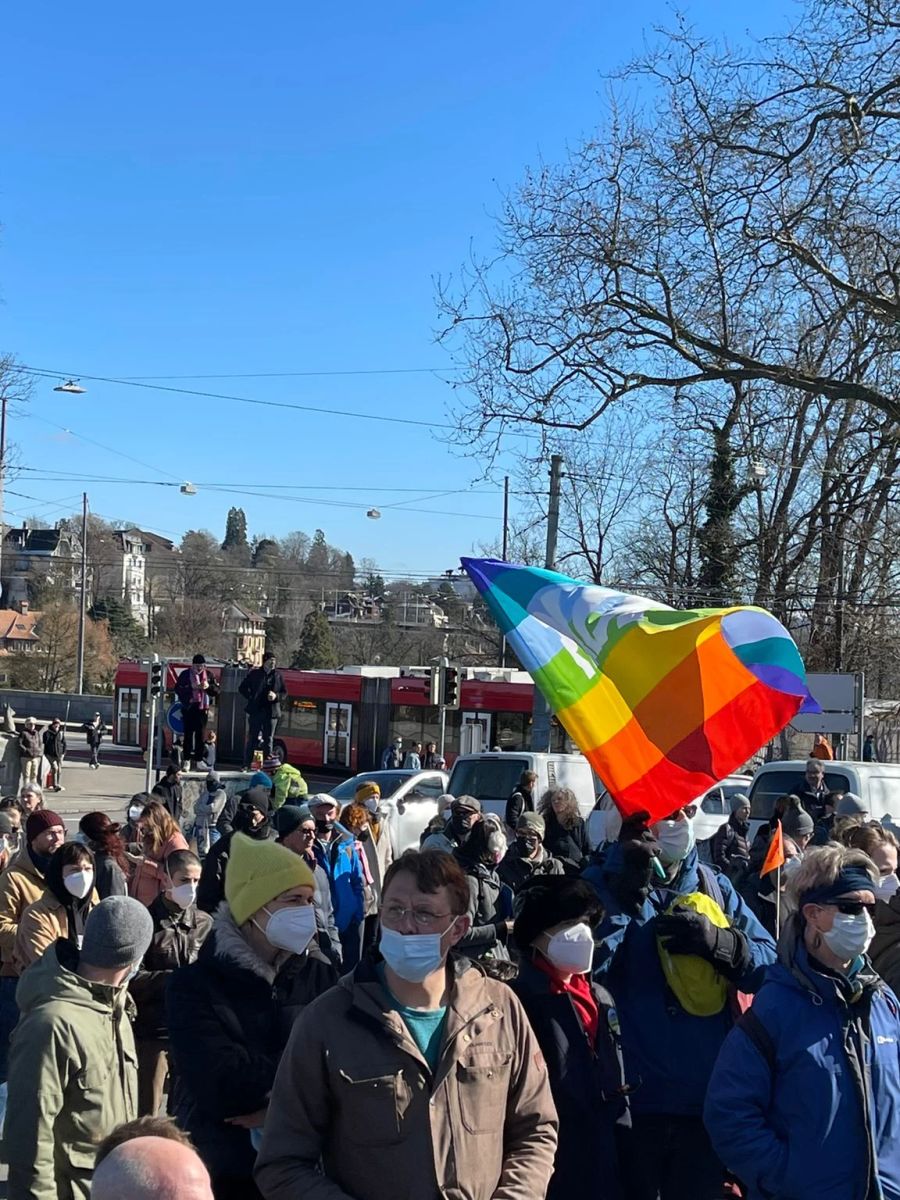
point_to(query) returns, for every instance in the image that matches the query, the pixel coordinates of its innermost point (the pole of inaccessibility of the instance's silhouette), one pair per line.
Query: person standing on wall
(264, 690)
(195, 689)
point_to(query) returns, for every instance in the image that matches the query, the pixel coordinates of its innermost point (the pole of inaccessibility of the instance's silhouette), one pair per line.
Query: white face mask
(134, 814)
(184, 894)
(850, 935)
(79, 884)
(572, 949)
(413, 956)
(291, 929)
(676, 840)
(371, 805)
(886, 886)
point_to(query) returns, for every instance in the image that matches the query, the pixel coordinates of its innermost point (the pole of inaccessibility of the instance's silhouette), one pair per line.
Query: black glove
(630, 884)
(689, 932)
(635, 828)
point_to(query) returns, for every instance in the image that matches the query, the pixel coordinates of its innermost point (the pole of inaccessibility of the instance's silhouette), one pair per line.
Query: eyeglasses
(852, 908)
(395, 914)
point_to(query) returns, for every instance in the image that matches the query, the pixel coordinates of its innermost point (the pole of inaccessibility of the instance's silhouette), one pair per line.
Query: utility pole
(540, 713)
(3, 402)
(504, 552)
(82, 607)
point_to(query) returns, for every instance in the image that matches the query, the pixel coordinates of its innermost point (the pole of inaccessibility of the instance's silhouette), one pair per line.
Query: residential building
(246, 632)
(52, 556)
(17, 629)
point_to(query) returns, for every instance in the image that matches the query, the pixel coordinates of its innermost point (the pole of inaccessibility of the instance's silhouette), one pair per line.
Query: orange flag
(775, 853)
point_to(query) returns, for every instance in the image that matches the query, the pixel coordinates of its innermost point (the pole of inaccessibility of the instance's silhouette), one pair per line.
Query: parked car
(876, 784)
(408, 797)
(492, 777)
(713, 810)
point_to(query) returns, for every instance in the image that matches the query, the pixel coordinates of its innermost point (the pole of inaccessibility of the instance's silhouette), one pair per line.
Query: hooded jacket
(30, 743)
(667, 1050)
(229, 1017)
(20, 885)
(490, 906)
(55, 743)
(72, 1077)
(355, 1091)
(821, 1119)
(341, 862)
(288, 784)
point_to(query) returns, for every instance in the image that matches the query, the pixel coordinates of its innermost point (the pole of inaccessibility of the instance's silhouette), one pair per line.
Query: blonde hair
(159, 825)
(867, 837)
(821, 867)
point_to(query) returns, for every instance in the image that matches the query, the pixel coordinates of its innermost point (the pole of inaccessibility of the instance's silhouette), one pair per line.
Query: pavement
(109, 789)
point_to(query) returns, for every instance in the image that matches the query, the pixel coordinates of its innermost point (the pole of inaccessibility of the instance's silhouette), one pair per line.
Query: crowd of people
(504, 1012)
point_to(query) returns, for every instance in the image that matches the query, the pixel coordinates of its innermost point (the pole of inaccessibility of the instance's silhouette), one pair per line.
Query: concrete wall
(44, 706)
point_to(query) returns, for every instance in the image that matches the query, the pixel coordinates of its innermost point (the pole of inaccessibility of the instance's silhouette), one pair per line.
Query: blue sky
(206, 189)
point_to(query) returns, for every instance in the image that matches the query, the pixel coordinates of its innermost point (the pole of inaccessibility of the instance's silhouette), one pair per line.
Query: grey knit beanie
(116, 933)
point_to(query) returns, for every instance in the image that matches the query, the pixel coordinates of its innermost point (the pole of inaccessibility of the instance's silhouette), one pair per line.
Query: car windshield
(388, 781)
(768, 786)
(487, 778)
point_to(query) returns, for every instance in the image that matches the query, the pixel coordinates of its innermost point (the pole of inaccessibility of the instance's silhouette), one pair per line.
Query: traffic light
(434, 686)
(156, 679)
(451, 687)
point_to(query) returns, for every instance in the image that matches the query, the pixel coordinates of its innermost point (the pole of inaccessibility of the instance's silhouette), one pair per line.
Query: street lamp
(72, 386)
(373, 514)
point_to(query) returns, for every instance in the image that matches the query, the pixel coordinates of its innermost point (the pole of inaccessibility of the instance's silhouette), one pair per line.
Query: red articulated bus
(344, 719)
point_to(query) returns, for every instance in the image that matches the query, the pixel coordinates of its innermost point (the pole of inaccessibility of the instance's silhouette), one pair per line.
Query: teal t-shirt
(425, 1025)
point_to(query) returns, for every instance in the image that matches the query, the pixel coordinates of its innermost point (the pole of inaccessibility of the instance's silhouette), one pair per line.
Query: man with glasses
(813, 795)
(416, 1072)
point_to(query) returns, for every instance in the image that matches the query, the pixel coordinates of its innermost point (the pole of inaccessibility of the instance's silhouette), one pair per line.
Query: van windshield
(768, 786)
(487, 778)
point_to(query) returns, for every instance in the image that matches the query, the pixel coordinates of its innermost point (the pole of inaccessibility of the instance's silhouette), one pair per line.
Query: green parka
(72, 1077)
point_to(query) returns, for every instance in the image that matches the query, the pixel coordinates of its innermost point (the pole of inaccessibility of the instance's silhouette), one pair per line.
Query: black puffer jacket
(515, 871)
(229, 1016)
(178, 934)
(490, 904)
(587, 1086)
(572, 846)
(168, 791)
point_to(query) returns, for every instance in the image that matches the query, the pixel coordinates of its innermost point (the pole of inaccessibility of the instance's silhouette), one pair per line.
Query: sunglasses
(852, 908)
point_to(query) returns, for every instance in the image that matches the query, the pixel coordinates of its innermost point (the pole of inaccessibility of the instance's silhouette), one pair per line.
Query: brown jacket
(354, 1090)
(41, 924)
(20, 885)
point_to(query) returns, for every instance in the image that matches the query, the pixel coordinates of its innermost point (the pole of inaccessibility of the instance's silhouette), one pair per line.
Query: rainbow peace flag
(663, 703)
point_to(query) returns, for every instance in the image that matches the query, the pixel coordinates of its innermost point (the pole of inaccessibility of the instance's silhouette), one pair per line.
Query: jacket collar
(230, 951)
(24, 864)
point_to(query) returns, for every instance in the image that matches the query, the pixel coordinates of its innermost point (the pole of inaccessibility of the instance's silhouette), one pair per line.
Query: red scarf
(579, 990)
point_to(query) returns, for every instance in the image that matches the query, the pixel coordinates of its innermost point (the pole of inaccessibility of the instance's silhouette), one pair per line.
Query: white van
(876, 784)
(493, 777)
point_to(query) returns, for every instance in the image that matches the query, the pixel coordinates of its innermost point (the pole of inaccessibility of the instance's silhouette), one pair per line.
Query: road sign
(175, 718)
(840, 697)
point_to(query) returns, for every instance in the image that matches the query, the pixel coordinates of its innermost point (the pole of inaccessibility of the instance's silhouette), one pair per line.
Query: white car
(409, 800)
(713, 809)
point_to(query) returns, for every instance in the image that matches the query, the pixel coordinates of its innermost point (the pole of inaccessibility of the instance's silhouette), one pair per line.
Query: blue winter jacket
(341, 862)
(669, 1054)
(815, 1126)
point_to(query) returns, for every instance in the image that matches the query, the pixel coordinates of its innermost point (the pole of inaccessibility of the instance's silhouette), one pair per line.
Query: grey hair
(820, 868)
(817, 763)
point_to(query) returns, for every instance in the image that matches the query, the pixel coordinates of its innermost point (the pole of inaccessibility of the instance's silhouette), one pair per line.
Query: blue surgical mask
(413, 956)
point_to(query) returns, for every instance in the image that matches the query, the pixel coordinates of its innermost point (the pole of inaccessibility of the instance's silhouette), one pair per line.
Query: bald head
(151, 1168)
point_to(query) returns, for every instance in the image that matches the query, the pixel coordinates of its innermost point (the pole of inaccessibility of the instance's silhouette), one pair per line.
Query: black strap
(709, 881)
(760, 1037)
